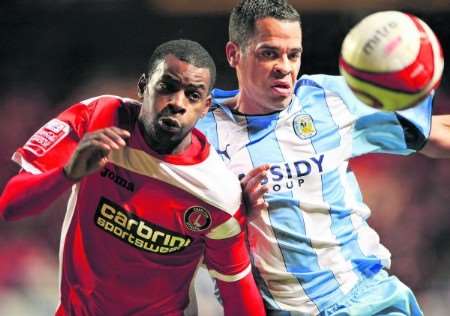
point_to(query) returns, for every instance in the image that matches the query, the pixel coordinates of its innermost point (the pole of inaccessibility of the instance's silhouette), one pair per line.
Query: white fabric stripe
(285, 289)
(208, 180)
(360, 209)
(261, 237)
(230, 278)
(70, 210)
(315, 212)
(90, 100)
(20, 160)
(234, 143)
(368, 239)
(225, 230)
(344, 119)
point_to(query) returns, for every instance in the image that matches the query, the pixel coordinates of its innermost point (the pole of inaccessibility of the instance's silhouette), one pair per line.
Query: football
(391, 60)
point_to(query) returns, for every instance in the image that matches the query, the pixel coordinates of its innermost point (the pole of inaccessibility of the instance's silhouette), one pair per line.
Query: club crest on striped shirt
(197, 218)
(304, 126)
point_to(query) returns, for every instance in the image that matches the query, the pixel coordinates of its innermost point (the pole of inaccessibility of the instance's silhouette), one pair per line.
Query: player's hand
(254, 190)
(92, 151)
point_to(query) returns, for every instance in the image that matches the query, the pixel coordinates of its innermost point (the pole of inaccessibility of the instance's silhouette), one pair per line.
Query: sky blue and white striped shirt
(313, 244)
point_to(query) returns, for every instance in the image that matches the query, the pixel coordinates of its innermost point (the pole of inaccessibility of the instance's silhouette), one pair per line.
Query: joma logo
(106, 173)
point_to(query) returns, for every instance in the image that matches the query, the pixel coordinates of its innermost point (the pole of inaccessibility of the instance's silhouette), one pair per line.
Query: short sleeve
(374, 131)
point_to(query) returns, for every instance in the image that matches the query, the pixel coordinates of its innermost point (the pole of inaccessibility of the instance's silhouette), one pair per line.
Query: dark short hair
(188, 51)
(243, 17)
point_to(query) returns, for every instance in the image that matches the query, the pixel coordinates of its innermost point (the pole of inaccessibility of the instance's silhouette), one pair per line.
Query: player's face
(174, 98)
(268, 67)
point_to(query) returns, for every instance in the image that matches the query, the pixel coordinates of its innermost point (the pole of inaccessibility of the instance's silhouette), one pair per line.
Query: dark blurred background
(57, 52)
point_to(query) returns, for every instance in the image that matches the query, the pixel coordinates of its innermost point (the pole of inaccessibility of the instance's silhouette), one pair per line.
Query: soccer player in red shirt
(150, 199)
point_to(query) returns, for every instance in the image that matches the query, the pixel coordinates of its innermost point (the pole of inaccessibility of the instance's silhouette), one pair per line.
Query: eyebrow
(200, 86)
(267, 46)
(168, 76)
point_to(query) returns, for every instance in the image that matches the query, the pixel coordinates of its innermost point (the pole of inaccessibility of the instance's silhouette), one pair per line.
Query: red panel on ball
(411, 79)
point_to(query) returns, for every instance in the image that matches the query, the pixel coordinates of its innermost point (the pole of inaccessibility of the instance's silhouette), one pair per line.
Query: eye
(294, 55)
(268, 54)
(162, 86)
(194, 96)
(165, 87)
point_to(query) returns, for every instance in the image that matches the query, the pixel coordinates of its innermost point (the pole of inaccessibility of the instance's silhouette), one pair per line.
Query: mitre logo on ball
(391, 60)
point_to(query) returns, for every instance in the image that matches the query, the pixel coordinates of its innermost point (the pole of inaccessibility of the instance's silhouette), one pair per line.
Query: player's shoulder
(217, 184)
(321, 81)
(221, 96)
(105, 110)
(330, 85)
(108, 100)
(223, 186)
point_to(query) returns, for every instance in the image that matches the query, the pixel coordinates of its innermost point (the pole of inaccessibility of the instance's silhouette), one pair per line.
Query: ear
(142, 83)
(232, 51)
(208, 103)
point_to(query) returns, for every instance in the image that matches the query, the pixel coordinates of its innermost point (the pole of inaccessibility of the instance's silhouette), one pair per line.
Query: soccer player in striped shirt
(290, 141)
(150, 201)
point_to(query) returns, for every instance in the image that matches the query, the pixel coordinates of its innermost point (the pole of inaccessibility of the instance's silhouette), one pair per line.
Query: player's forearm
(27, 194)
(241, 297)
(438, 145)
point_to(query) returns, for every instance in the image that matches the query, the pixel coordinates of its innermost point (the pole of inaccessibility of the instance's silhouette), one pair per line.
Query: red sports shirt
(135, 233)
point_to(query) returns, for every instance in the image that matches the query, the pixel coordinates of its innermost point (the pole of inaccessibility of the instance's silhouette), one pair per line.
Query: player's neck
(164, 145)
(174, 148)
(245, 104)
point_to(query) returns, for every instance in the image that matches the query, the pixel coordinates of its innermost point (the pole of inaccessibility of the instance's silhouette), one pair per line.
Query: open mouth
(169, 124)
(281, 88)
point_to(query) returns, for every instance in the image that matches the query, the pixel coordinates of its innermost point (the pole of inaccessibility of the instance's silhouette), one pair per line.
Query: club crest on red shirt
(197, 218)
(47, 137)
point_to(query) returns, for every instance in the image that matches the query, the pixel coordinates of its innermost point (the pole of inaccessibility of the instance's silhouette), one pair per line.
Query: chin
(280, 102)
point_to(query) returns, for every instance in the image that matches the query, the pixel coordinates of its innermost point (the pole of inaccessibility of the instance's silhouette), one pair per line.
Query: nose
(177, 101)
(282, 66)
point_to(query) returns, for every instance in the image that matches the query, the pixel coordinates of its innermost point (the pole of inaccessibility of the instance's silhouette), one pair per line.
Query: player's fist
(92, 151)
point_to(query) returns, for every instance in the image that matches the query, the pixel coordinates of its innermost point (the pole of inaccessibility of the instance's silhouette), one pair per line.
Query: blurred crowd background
(57, 52)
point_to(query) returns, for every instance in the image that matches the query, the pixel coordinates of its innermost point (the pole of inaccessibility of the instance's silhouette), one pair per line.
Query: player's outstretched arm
(29, 194)
(438, 145)
(92, 151)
